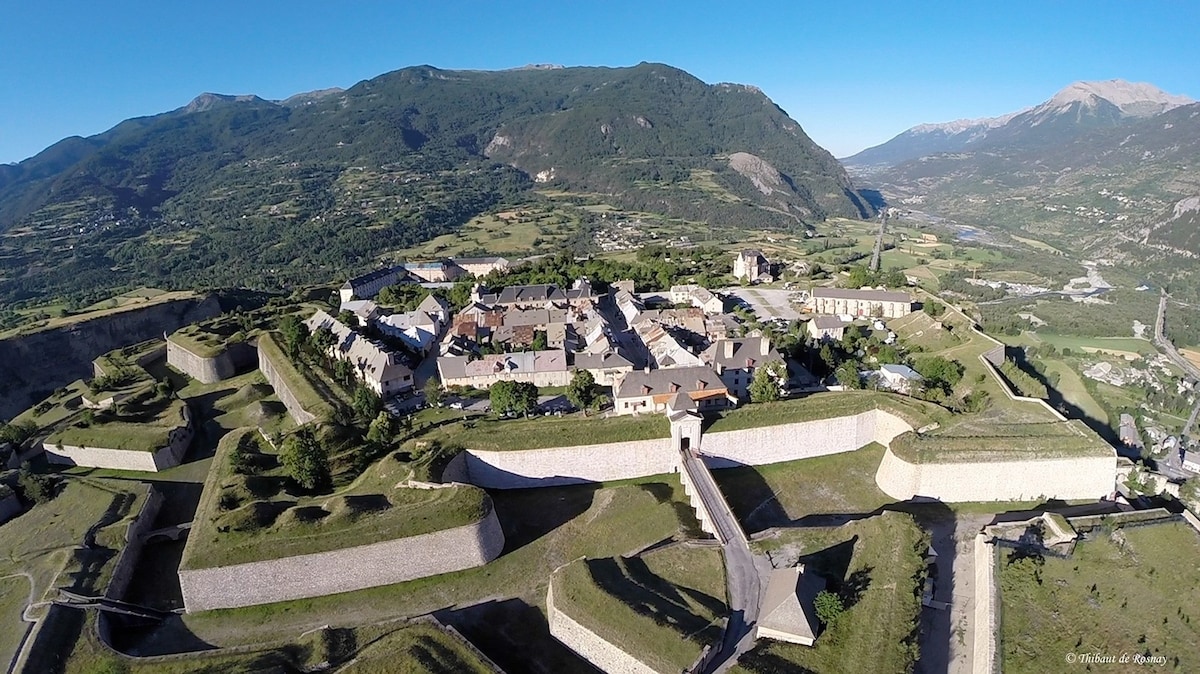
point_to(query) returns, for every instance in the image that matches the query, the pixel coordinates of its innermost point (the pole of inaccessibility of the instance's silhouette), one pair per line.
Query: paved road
(1165, 345)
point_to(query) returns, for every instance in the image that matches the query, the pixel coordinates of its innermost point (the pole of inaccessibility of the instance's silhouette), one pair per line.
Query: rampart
(344, 570)
(271, 372)
(169, 456)
(803, 440)
(209, 370)
(564, 465)
(589, 645)
(1083, 477)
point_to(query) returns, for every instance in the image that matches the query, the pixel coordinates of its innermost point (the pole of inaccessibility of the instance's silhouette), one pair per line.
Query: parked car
(456, 405)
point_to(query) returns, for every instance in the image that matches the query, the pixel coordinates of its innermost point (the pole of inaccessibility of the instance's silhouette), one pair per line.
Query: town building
(380, 369)
(735, 361)
(368, 285)
(437, 271)
(480, 266)
(846, 302)
(1191, 461)
(649, 391)
(899, 378)
(826, 328)
(697, 296)
(752, 266)
(788, 610)
(541, 368)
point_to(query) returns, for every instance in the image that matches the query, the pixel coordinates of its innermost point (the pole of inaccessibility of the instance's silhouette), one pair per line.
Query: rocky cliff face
(32, 366)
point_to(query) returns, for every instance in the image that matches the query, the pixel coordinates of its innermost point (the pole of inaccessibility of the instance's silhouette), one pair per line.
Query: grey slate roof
(661, 382)
(536, 293)
(868, 295)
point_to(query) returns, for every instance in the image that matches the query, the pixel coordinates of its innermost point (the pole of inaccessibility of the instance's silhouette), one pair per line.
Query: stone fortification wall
(147, 357)
(271, 372)
(211, 370)
(135, 534)
(589, 645)
(27, 375)
(179, 439)
(343, 570)
(564, 465)
(788, 442)
(1089, 477)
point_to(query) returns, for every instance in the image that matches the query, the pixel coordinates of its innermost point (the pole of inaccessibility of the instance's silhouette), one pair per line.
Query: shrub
(34, 487)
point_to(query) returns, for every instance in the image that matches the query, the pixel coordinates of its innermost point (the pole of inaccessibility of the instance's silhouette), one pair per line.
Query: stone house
(788, 610)
(368, 285)
(899, 378)
(697, 296)
(826, 328)
(735, 361)
(380, 369)
(650, 391)
(541, 368)
(867, 303)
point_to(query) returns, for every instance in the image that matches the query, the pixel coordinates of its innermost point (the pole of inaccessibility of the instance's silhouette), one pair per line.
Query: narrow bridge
(75, 600)
(174, 532)
(717, 518)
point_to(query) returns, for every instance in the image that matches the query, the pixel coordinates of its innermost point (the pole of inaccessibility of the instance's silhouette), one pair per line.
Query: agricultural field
(1122, 591)
(521, 231)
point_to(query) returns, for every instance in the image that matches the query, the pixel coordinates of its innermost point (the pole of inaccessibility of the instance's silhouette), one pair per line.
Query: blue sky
(853, 74)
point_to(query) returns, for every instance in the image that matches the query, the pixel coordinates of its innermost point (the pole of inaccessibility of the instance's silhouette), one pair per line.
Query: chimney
(728, 348)
(764, 346)
(674, 387)
(645, 389)
(701, 384)
(646, 369)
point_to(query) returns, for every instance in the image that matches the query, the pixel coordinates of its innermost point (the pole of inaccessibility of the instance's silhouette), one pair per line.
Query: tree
(939, 371)
(36, 488)
(305, 460)
(580, 391)
(847, 375)
(829, 607)
(381, 430)
(433, 391)
(17, 432)
(321, 340)
(539, 341)
(933, 309)
(295, 334)
(767, 382)
(343, 371)
(348, 318)
(513, 397)
(365, 403)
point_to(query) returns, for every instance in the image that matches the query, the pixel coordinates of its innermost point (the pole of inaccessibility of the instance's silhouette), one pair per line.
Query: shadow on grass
(632, 582)
(665, 493)
(528, 514)
(516, 636)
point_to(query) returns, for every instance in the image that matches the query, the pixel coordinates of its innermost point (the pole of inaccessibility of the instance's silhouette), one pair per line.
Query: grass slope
(662, 607)
(1131, 591)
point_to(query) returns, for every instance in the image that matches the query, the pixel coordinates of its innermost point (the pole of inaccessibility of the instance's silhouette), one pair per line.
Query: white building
(379, 369)
(752, 266)
(368, 285)
(873, 303)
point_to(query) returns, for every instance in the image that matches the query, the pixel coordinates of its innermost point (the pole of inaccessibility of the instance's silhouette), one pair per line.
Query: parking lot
(768, 303)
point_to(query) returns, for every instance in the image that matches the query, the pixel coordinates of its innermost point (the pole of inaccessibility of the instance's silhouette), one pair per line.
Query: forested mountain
(237, 190)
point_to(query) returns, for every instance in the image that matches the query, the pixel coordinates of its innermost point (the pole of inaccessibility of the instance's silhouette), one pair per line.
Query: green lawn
(265, 521)
(1070, 385)
(540, 432)
(877, 566)
(662, 607)
(824, 406)
(544, 529)
(45, 542)
(299, 383)
(775, 494)
(1130, 590)
(144, 429)
(1078, 343)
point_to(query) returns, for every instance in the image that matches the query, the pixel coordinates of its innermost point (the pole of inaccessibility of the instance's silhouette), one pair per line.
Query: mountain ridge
(236, 188)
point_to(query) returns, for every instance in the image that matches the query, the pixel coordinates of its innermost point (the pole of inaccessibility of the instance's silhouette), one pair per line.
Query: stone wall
(803, 440)
(269, 370)
(135, 535)
(344, 570)
(178, 441)
(565, 465)
(983, 655)
(211, 370)
(27, 375)
(589, 645)
(1090, 477)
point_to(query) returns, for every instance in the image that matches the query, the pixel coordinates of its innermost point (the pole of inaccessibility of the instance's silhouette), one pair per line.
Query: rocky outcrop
(33, 365)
